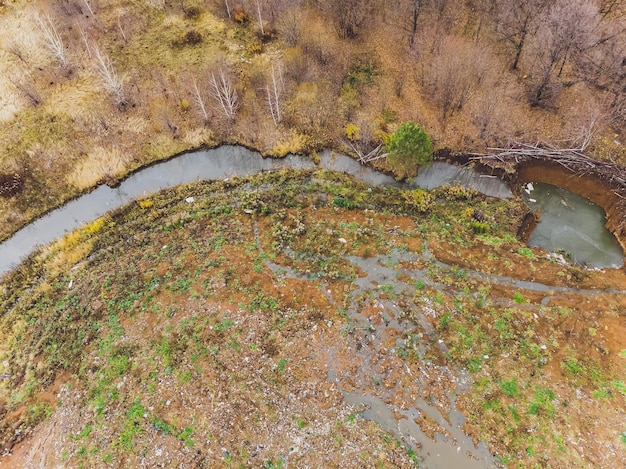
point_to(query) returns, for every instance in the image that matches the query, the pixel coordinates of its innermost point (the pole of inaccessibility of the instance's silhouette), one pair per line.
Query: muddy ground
(304, 320)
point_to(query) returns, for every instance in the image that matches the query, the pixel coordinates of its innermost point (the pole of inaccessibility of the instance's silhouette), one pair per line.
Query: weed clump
(479, 227)
(191, 37)
(456, 192)
(418, 199)
(192, 12)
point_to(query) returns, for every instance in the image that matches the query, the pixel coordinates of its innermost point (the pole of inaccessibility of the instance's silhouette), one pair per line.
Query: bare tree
(456, 72)
(83, 36)
(16, 48)
(483, 14)
(567, 29)
(86, 2)
(406, 15)
(347, 15)
(275, 9)
(223, 90)
(290, 26)
(517, 21)
(274, 91)
(28, 90)
(260, 16)
(602, 66)
(53, 38)
(608, 8)
(574, 23)
(200, 101)
(110, 78)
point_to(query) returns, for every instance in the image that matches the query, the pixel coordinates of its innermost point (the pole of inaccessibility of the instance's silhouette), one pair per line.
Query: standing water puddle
(449, 448)
(572, 224)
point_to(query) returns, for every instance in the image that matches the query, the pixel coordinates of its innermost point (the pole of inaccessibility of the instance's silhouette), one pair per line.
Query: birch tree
(52, 38)
(224, 92)
(274, 91)
(113, 83)
(199, 99)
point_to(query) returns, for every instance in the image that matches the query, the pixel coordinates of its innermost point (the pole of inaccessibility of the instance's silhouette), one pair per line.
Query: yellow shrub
(353, 132)
(295, 144)
(145, 203)
(94, 226)
(418, 199)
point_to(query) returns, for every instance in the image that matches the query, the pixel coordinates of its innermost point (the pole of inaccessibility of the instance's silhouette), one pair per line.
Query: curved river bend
(218, 163)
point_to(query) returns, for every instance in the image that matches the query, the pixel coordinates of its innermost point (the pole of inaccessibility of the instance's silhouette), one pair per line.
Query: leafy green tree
(408, 149)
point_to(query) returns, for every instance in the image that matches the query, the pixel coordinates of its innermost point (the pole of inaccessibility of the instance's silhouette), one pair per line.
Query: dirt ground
(242, 339)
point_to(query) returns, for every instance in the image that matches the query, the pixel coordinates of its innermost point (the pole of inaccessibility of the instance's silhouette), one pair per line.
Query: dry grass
(198, 137)
(100, 164)
(20, 52)
(74, 98)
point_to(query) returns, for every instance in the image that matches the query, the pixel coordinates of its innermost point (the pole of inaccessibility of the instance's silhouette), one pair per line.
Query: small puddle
(572, 225)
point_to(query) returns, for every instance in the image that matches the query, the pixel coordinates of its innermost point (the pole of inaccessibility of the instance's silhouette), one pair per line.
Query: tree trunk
(520, 45)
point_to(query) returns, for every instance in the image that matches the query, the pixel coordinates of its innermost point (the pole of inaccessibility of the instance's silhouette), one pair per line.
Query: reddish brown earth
(255, 363)
(609, 196)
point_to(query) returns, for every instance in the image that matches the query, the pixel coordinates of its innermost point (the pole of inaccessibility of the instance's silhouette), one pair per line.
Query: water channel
(569, 222)
(218, 163)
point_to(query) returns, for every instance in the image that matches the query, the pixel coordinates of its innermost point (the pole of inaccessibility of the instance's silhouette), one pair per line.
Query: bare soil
(194, 335)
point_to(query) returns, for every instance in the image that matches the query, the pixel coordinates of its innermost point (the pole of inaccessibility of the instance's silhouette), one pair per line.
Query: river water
(572, 225)
(218, 163)
(569, 222)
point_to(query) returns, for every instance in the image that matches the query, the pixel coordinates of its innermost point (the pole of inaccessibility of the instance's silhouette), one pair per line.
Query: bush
(418, 199)
(10, 184)
(408, 149)
(342, 202)
(192, 37)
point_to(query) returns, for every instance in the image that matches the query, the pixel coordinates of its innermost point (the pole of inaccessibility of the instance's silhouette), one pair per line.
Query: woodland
(93, 89)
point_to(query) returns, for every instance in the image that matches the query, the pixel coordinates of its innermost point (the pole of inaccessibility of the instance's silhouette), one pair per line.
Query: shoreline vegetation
(222, 324)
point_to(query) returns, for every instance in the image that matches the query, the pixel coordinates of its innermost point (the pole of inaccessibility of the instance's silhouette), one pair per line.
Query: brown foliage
(457, 70)
(348, 16)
